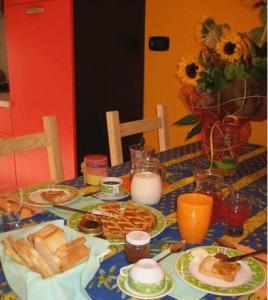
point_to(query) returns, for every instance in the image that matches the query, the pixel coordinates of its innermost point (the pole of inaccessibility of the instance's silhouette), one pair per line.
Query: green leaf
(260, 62)
(230, 71)
(257, 72)
(241, 72)
(235, 71)
(218, 30)
(186, 120)
(263, 14)
(259, 51)
(194, 130)
(219, 82)
(258, 35)
(215, 71)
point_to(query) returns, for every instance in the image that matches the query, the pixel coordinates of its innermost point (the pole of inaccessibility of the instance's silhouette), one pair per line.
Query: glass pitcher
(146, 185)
(213, 185)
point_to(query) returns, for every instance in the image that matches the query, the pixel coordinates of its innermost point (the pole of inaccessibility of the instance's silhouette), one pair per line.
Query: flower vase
(222, 143)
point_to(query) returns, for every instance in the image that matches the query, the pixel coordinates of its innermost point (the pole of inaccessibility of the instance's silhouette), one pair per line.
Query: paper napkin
(69, 285)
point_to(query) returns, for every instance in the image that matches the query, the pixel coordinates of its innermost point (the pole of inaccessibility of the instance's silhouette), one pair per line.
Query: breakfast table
(179, 163)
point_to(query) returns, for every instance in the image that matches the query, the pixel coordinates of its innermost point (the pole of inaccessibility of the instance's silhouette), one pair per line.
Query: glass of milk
(146, 186)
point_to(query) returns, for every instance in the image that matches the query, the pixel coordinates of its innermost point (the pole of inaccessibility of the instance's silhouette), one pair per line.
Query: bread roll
(73, 257)
(51, 259)
(53, 236)
(66, 248)
(9, 250)
(32, 257)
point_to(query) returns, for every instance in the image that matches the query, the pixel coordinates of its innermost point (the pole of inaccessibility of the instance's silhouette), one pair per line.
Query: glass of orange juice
(193, 216)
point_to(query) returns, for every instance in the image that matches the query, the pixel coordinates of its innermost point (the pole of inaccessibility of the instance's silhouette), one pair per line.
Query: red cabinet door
(5, 120)
(40, 61)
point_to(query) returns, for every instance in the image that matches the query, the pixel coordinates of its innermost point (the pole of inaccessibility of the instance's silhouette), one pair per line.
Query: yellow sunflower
(229, 47)
(189, 71)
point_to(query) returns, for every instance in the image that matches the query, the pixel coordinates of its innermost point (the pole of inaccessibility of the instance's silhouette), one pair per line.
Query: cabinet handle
(34, 10)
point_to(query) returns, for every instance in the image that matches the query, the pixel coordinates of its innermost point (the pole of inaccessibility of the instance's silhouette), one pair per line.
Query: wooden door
(109, 61)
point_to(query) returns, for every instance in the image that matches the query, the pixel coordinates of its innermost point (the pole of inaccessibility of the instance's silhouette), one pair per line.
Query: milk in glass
(146, 188)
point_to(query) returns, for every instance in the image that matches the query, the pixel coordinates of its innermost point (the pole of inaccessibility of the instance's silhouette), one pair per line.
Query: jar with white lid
(137, 246)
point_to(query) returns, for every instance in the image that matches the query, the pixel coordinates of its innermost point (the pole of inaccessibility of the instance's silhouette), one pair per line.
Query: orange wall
(178, 19)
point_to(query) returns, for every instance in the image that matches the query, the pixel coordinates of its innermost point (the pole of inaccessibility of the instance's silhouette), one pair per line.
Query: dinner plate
(161, 222)
(123, 286)
(32, 196)
(107, 197)
(249, 279)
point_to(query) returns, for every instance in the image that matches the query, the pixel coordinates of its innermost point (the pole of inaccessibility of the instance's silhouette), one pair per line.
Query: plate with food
(45, 195)
(119, 218)
(200, 268)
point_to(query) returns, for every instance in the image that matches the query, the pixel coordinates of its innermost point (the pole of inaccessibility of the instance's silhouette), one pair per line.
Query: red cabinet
(40, 61)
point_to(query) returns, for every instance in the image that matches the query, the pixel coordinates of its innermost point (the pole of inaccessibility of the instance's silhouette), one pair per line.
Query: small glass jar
(95, 167)
(137, 246)
(91, 227)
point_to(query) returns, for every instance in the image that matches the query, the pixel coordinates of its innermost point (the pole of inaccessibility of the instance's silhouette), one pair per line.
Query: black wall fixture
(159, 43)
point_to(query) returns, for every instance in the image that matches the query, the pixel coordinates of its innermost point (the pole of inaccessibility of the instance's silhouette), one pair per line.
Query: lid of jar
(95, 159)
(138, 238)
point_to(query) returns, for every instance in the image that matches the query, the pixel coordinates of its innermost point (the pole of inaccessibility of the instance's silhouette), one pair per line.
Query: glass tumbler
(10, 209)
(193, 216)
(236, 211)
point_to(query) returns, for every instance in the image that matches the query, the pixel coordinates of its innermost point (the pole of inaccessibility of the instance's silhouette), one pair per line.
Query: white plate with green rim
(249, 279)
(123, 286)
(160, 225)
(33, 196)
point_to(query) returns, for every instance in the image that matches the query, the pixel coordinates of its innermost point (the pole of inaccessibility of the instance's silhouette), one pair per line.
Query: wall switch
(159, 43)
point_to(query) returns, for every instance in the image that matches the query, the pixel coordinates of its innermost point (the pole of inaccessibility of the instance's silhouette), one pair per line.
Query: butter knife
(174, 248)
(81, 211)
(224, 243)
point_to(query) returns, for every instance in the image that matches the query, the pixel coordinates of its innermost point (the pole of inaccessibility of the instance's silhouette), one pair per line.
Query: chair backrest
(117, 130)
(47, 139)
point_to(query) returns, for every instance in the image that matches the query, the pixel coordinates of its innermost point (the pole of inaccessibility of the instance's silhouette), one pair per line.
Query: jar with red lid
(94, 167)
(137, 246)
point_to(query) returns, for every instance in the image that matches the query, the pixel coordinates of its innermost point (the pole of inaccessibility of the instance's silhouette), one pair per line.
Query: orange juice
(193, 216)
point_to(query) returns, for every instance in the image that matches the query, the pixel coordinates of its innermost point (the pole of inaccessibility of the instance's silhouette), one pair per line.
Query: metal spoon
(224, 257)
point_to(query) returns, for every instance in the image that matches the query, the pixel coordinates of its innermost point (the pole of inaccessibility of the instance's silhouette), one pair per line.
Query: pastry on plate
(217, 268)
(52, 195)
(133, 218)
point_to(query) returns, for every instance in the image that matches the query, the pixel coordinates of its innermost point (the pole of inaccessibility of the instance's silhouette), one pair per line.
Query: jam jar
(91, 226)
(95, 166)
(137, 246)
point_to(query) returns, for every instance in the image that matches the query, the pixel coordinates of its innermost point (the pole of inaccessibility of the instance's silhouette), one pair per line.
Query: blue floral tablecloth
(179, 162)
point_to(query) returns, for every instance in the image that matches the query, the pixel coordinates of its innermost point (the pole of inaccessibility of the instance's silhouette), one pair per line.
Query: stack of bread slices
(46, 251)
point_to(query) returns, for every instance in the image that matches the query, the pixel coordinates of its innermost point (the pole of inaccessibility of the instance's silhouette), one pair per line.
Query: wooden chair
(117, 130)
(46, 139)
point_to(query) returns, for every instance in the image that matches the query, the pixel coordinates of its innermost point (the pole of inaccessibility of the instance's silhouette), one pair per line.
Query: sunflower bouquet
(225, 88)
